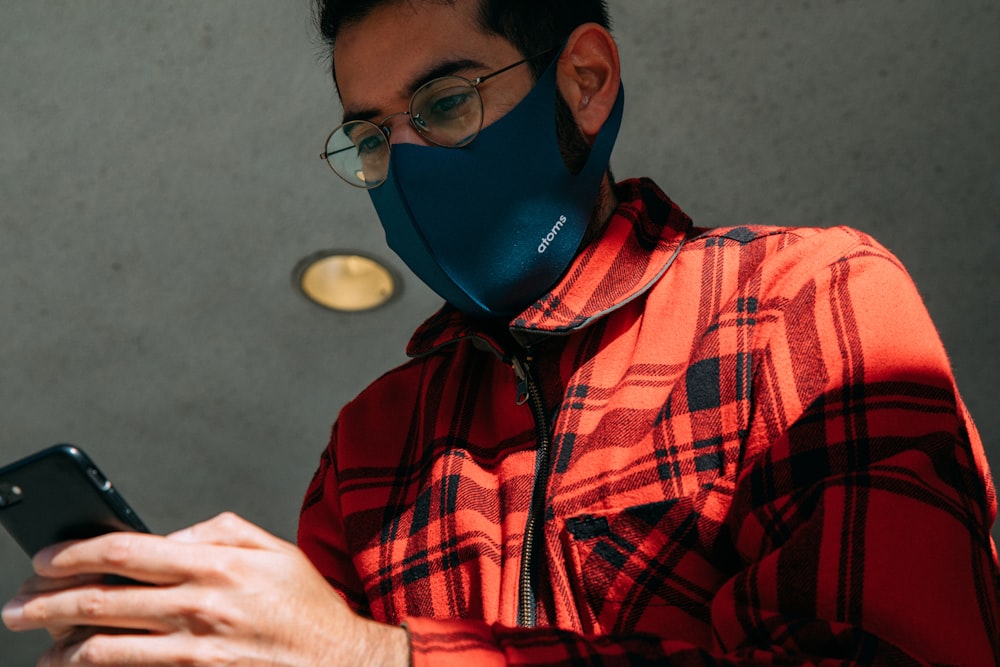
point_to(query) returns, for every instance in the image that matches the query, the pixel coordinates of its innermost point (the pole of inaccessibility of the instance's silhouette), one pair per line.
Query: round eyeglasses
(447, 112)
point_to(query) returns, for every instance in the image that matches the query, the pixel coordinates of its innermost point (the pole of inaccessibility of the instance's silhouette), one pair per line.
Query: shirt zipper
(528, 392)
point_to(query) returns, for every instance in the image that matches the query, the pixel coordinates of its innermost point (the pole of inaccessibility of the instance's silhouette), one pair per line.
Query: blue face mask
(492, 226)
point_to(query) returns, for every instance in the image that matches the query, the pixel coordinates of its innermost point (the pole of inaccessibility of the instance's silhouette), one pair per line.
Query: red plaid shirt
(724, 446)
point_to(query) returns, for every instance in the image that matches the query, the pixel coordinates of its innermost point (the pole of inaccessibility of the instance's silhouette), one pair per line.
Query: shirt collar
(633, 251)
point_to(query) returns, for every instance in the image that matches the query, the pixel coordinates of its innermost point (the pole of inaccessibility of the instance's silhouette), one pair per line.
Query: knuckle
(206, 614)
(120, 549)
(92, 605)
(229, 521)
(220, 571)
(209, 654)
(36, 611)
(93, 651)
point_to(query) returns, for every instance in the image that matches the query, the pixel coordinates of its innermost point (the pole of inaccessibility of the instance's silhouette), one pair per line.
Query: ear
(589, 76)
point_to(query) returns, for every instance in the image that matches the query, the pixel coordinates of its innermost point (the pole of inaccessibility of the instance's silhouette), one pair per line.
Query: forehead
(378, 59)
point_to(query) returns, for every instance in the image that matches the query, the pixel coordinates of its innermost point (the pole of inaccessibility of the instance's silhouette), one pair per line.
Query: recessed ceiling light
(344, 280)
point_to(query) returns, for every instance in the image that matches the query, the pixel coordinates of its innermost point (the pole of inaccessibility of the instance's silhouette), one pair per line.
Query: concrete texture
(159, 179)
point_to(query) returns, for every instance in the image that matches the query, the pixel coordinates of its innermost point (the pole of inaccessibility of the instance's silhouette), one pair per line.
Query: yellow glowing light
(345, 281)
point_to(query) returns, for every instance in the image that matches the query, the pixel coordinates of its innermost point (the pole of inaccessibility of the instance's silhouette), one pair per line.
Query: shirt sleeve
(321, 534)
(861, 511)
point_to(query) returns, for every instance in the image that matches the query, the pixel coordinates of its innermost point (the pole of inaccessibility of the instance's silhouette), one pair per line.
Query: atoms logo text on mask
(551, 236)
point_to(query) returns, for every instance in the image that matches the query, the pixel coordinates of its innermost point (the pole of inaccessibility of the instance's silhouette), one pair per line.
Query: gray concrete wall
(159, 179)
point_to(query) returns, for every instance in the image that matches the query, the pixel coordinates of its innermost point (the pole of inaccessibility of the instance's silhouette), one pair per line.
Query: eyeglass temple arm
(324, 155)
(479, 80)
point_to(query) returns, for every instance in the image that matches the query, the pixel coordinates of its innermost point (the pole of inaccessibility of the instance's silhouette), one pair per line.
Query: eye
(450, 106)
(369, 144)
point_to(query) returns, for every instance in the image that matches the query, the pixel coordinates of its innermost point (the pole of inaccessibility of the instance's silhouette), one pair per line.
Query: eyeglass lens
(446, 111)
(359, 152)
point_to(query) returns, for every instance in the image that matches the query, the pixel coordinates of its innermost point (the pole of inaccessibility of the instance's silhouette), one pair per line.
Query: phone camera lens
(99, 479)
(10, 494)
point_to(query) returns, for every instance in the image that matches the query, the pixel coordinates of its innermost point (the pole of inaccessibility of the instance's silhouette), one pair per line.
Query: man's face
(381, 60)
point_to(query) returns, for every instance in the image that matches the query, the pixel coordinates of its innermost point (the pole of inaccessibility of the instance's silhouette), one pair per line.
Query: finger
(137, 608)
(73, 634)
(38, 584)
(228, 529)
(132, 650)
(147, 558)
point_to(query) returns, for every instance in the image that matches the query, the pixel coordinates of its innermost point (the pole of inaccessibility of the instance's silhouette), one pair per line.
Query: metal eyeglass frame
(414, 119)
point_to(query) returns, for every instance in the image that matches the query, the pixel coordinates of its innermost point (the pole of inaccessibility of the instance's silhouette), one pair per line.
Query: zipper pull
(522, 372)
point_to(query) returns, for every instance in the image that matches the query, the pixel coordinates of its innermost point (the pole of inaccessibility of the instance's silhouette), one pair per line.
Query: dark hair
(532, 26)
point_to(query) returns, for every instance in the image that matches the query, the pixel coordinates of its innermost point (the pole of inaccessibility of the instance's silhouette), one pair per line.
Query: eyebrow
(446, 68)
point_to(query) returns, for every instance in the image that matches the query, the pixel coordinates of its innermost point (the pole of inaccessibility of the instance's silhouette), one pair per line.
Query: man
(662, 445)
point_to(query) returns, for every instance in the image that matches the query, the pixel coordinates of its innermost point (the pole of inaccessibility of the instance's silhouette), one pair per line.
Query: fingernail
(13, 611)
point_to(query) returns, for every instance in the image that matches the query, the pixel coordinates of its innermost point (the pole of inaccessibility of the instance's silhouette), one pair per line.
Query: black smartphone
(59, 494)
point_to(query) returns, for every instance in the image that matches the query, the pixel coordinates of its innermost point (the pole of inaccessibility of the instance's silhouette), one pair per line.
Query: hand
(223, 592)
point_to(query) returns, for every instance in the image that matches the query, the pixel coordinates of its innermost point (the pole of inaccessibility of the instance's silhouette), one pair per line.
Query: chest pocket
(642, 569)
